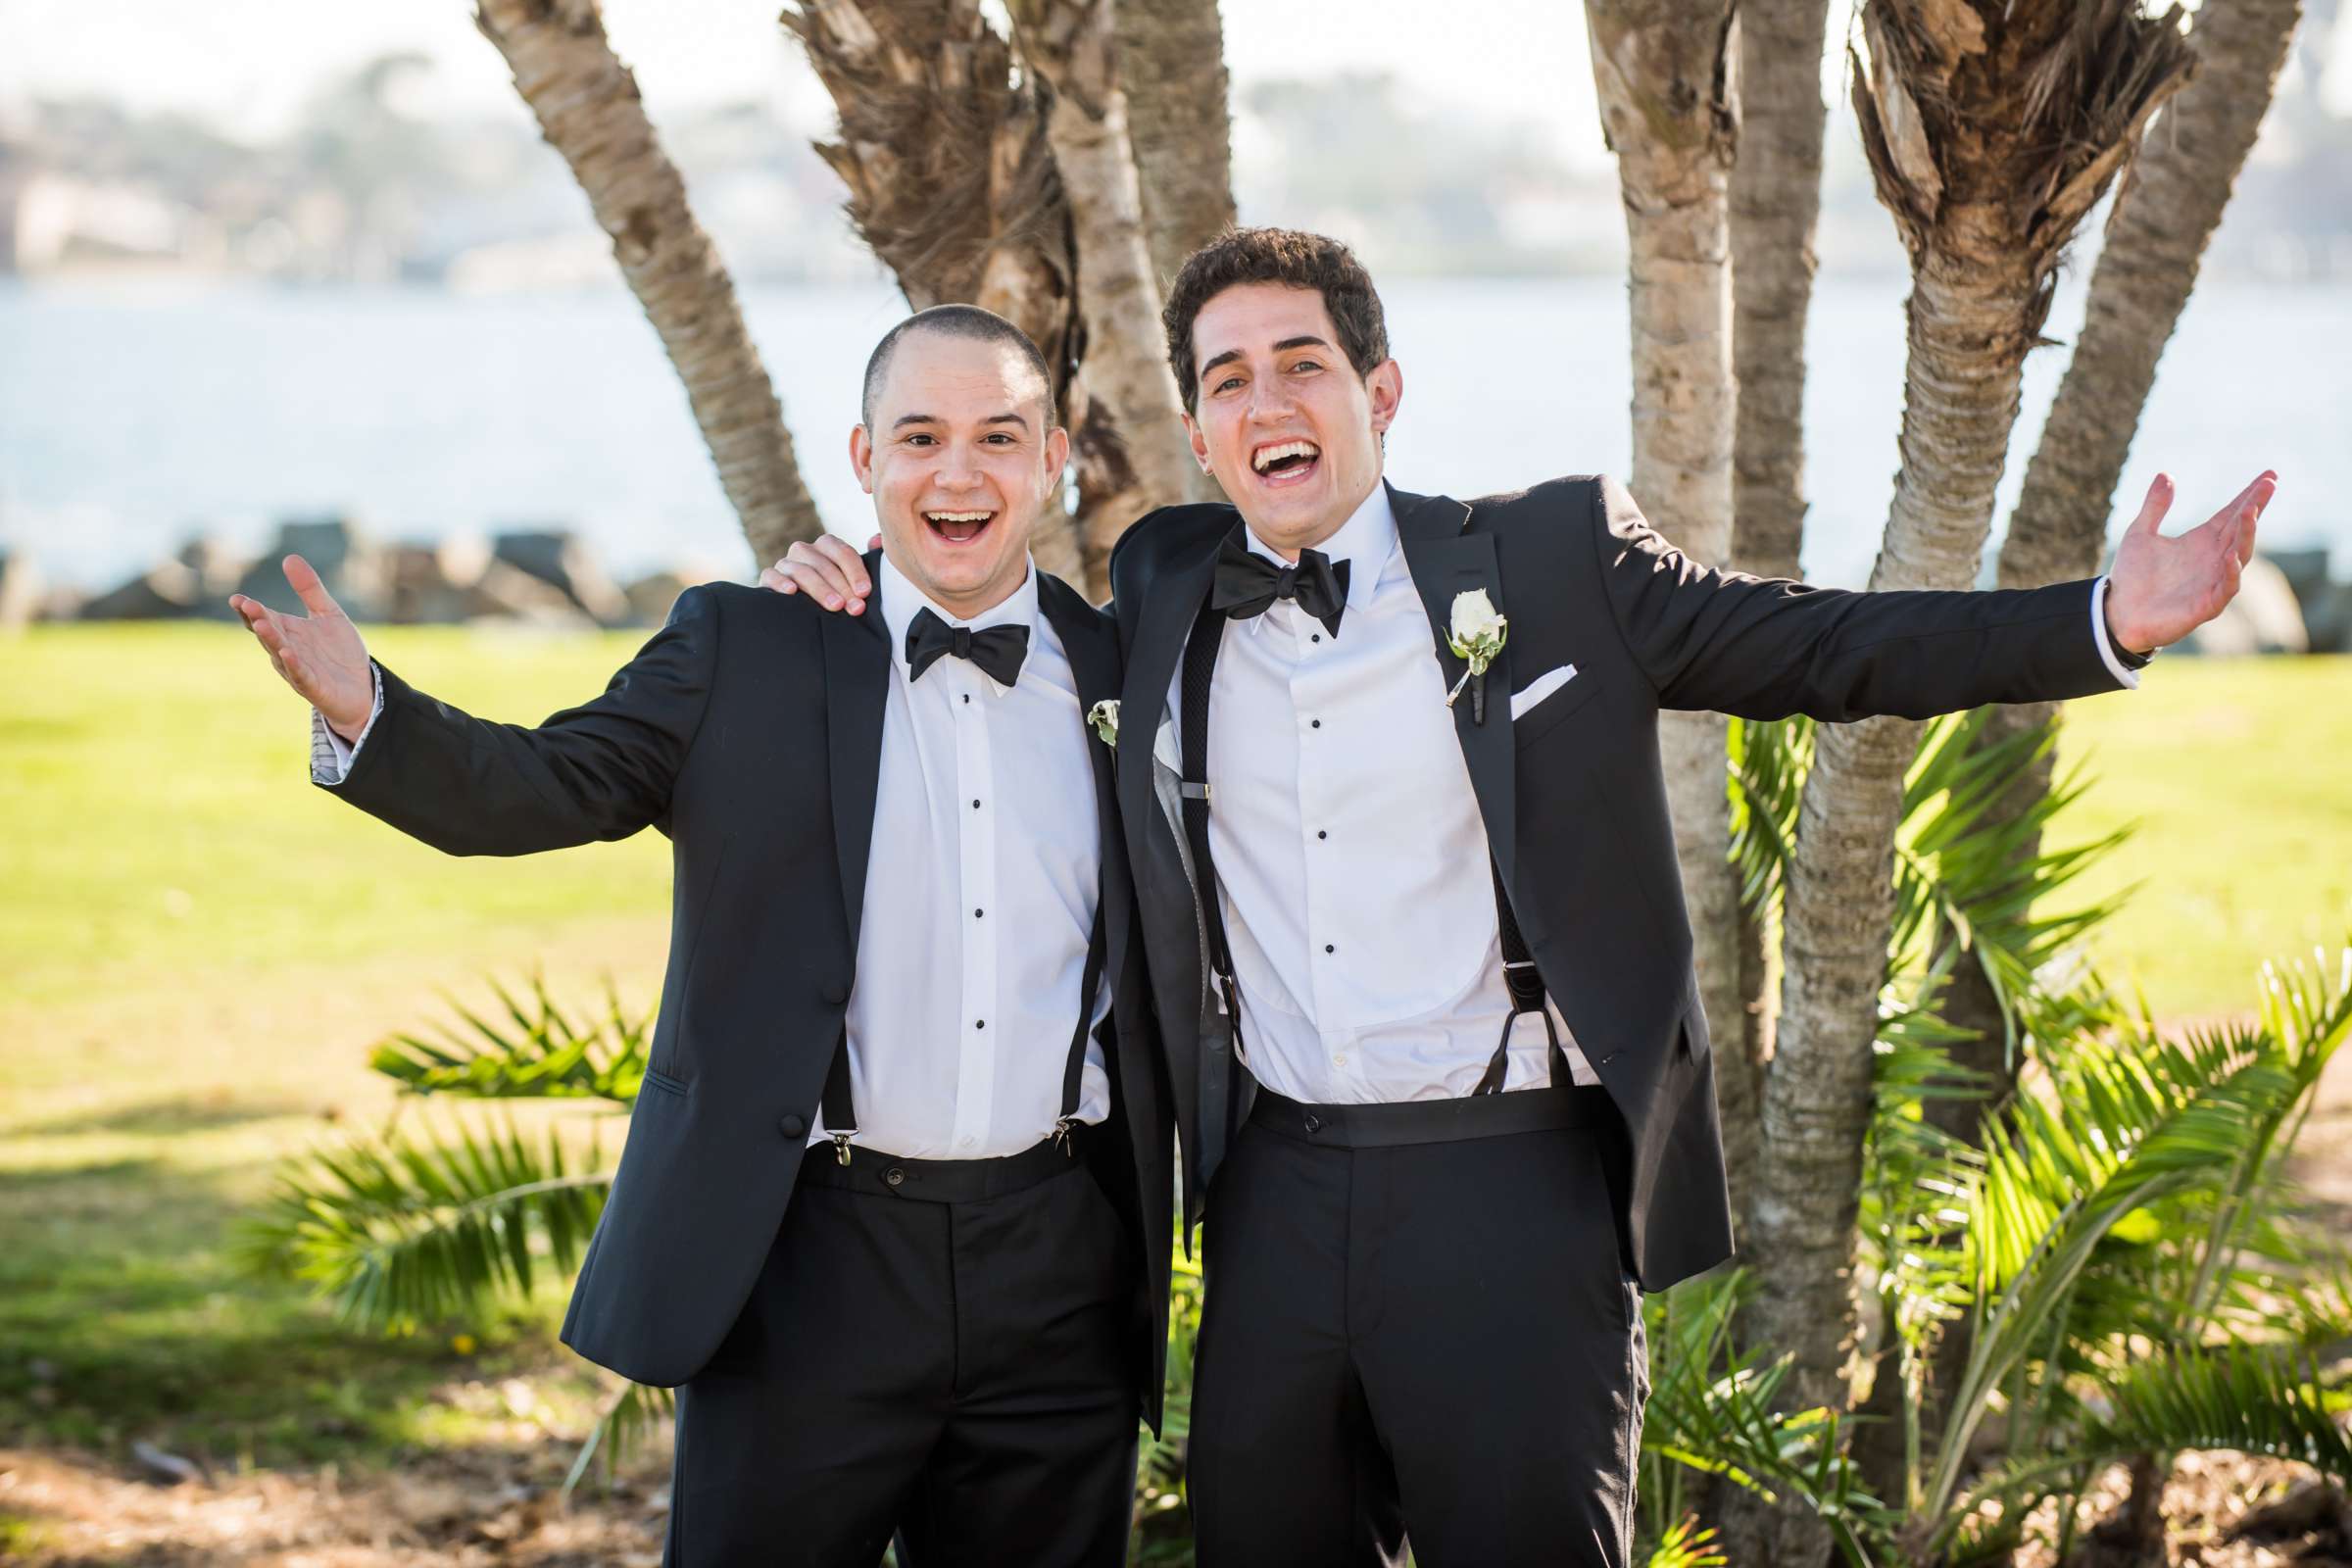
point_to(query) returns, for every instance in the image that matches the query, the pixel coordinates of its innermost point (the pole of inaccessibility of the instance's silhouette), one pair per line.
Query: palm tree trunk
(1662, 71)
(950, 178)
(1130, 442)
(1172, 64)
(2170, 203)
(1991, 126)
(1775, 208)
(588, 110)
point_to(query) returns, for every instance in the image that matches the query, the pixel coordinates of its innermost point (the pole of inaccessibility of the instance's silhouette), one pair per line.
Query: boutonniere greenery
(1477, 635)
(1105, 716)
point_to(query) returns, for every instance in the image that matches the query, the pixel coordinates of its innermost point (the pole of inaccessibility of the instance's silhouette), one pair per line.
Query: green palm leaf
(402, 1230)
(537, 1053)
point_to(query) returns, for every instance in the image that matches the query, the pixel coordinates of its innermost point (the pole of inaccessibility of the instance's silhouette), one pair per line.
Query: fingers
(776, 581)
(852, 565)
(263, 622)
(2152, 510)
(308, 588)
(2249, 512)
(829, 571)
(818, 583)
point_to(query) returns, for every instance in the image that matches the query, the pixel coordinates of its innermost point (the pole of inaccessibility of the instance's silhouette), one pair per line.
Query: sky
(248, 64)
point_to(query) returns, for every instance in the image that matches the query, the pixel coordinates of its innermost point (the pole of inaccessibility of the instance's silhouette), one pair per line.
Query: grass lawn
(199, 948)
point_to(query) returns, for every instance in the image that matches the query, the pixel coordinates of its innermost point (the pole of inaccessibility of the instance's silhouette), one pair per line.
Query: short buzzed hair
(952, 321)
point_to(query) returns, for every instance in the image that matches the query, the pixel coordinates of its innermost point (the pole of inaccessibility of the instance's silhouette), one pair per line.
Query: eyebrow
(1283, 347)
(905, 420)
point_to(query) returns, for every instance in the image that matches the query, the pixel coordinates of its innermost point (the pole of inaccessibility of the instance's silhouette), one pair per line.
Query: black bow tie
(997, 650)
(1248, 584)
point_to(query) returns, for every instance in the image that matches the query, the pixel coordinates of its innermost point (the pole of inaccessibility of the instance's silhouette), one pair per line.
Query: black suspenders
(841, 1113)
(1519, 974)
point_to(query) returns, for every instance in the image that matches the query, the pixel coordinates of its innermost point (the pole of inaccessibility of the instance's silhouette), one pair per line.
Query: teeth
(959, 516)
(1265, 456)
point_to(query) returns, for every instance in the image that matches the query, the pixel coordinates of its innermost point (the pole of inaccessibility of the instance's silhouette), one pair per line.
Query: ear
(861, 457)
(1057, 458)
(1198, 441)
(1386, 388)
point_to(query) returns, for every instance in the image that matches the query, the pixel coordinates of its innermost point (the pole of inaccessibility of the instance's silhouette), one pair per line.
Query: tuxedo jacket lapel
(1447, 558)
(1161, 631)
(857, 689)
(1091, 641)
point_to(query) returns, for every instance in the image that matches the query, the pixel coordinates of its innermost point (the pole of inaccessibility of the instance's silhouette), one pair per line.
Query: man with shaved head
(893, 1215)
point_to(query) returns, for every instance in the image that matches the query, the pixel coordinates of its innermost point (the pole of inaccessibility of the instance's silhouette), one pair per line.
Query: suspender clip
(1061, 1134)
(841, 1147)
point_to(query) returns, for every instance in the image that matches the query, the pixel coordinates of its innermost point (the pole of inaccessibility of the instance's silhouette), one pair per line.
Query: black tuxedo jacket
(1572, 793)
(749, 729)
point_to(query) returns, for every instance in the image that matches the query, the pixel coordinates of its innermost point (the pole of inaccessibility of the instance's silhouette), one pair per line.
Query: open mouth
(1286, 462)
(959, 528)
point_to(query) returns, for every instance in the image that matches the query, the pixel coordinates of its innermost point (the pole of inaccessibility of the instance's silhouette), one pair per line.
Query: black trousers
(955, 1370)
(1438, 1335)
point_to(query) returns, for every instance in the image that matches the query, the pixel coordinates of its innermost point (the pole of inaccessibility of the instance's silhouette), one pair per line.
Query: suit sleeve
(1767, 648)
(601, 771)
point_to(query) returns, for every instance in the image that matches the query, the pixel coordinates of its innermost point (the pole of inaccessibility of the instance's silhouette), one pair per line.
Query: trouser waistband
(1433, 1121)
(942, 1181)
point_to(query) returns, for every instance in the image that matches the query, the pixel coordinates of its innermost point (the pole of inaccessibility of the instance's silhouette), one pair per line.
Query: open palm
(2160, 590)
(319, 655)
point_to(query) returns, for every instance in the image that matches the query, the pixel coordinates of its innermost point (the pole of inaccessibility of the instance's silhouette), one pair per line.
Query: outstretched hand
(827, 569)
(2160, 590)
(319, 655)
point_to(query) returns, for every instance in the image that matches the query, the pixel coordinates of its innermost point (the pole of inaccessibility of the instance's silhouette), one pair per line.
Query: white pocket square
(1543, 686)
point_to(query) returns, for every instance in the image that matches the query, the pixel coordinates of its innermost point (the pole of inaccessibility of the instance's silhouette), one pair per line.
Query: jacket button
(1314, 1124)
(836, 992)
(794, 1127)
(894, 1176)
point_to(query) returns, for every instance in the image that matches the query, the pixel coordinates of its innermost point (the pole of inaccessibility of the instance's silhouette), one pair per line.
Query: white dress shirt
(980, 895)
(1351, 858)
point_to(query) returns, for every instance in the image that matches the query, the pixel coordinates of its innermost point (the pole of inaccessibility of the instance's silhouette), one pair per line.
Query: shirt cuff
(2123, 666)
(330, 753)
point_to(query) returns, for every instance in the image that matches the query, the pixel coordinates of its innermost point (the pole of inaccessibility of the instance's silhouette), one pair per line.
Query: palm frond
(620, 1429)
(1686, 1546)
(536, 1053)
(1714, 1411)
(402, 1230)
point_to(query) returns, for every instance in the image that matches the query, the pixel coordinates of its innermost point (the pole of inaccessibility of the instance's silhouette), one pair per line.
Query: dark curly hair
(1288, 256)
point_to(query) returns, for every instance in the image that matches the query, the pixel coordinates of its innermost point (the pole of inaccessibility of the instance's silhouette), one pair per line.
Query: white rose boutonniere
(1105, 716)
(1477, 635)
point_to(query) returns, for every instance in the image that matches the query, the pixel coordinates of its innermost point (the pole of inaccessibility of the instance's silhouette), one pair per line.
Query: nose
(1271, 402)
(958, 470)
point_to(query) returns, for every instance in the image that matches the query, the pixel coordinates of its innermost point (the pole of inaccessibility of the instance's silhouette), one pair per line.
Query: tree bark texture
(1775, 208)
(1662, 69)
(1991, 127)
(2171, 202)
(1172, 64)
(951, 179)
(589, 111)
(1132, 455)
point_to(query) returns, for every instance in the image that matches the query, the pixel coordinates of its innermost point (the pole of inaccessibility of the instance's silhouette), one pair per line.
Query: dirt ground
(500, 1505)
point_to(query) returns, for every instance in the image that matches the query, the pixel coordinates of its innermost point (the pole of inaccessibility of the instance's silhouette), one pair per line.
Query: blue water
(135, 413)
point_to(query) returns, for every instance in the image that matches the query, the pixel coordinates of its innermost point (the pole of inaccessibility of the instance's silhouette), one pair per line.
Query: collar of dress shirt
(1367, 539)
(900, 599)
